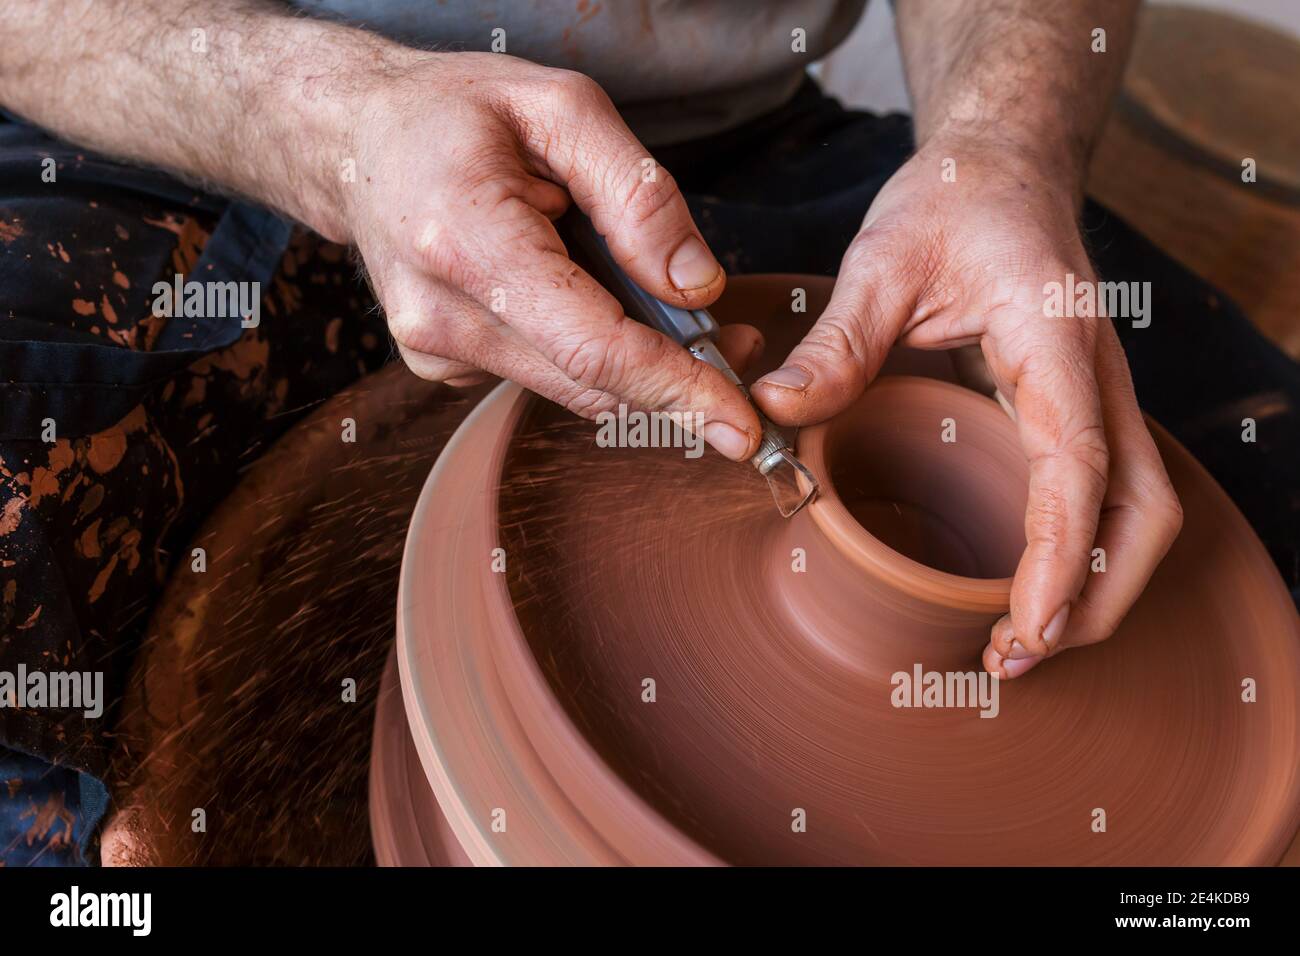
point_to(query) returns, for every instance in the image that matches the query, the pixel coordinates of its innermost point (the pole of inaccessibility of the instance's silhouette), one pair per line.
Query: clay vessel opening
(931, 471)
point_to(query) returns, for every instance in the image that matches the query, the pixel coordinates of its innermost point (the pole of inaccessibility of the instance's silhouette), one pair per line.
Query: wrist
(1037, 159)
(325, 85)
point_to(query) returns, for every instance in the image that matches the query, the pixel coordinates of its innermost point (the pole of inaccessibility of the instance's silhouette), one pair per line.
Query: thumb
(631, 200)
(842, 352)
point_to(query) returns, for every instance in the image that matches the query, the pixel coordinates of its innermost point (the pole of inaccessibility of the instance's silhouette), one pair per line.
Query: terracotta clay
(415, 830)
(771, 735)
(236, 703)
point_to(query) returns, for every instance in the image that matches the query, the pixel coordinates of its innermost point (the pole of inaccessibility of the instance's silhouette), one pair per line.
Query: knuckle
(588, 402)
(428, 337)
(866, 254)
(480, 160)
(486, 190)
(692, 389)
(442, 255)
(645, 198)
(569, 90)
(891, 251)
(1168, 512)
(881, 281)
(594, 362)
(1090, 450)
(404, 325)
(618, 363)
(839, 338)
(519, 238)
(1047, 517)
(1059, 355)
(423, 331)
(428, 239)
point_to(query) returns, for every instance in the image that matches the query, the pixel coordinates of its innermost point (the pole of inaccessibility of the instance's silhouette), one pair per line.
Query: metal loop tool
(792, 484)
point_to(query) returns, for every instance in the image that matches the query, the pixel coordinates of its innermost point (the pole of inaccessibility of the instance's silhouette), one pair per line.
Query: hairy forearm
(234, 93)
(1019, 73)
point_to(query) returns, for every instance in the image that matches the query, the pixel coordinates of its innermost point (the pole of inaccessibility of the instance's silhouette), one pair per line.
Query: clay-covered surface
(761, 708)
(627, 565)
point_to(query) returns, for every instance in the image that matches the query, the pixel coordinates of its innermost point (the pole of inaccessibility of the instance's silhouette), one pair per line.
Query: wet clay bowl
(650, 679)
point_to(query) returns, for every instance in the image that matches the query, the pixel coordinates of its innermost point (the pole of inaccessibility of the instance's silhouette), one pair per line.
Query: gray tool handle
(697, 330)
(588, 249)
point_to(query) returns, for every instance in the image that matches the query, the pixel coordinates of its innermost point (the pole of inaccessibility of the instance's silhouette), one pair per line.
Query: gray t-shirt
(677, 69)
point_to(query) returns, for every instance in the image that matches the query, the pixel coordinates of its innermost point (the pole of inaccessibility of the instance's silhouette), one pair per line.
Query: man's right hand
(462, 162)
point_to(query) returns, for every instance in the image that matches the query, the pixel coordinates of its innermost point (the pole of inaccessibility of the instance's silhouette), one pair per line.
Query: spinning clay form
(625, 655)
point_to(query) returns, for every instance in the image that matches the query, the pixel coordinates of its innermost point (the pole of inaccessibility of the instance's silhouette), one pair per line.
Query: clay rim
(871, 555)
(539, 717)
(429, 746)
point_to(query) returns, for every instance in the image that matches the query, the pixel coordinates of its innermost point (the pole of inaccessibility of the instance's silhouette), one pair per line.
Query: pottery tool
(792, 484)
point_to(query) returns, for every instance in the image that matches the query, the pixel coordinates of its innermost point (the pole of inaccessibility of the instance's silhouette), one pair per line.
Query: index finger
(1141, 515)
(528, 280)
(1059, 416)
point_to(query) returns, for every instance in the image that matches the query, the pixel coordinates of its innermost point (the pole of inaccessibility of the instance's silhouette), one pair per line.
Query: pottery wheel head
(626, 655)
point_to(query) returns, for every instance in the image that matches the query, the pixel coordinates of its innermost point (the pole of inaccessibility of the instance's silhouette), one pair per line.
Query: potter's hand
(941, 264)
(444, 168)
(463, 160)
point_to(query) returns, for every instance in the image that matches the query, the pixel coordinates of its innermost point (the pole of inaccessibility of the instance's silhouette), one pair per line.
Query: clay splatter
(10, 230)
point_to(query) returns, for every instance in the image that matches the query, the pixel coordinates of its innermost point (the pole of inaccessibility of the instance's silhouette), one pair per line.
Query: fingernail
(1056, 626)
(1019, 652)
(787, 376)
(692, 266)
(1014, 668)
(727, 439)
(1000, 636)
